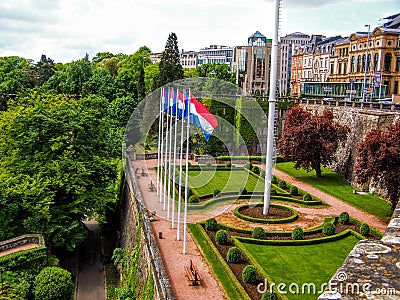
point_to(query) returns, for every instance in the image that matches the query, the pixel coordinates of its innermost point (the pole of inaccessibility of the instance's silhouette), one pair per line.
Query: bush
(54, 283)
(273, 192)
(294, 190)
(193, 199)
(269, 296)
(364, 229)
(249, 274)
(208, 165)
(228, 165)
(328, 229)
(234, 255)
(248, 165)
(258, 233)
(216, 193)
(282, 184)
(297, 233)
(256, 170)
(307, 197)
(274, 179)
(243, 191)
(211, 224)
(344, 218)
(221, 237)
(262, 174)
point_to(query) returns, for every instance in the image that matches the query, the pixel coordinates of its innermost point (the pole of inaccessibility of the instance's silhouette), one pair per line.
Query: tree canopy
(311, 140)
(378, 159)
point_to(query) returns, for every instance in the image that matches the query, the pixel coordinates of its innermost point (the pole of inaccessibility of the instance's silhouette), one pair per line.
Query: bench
(193, 274)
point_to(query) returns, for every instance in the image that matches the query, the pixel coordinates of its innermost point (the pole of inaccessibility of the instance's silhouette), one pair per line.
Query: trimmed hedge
(24, 258)
(364, 229)
(328, 229)
(297, 233)
(292, 218)
(234, 255)
(344, 218)
(259, 233)
(211, 224)
(249, 274)
(221, 237)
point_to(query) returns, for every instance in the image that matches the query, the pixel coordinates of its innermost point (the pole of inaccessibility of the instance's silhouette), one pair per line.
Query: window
(369, 62)
(376, 60)
(359, 63)
(388, 62)
(353, 64)
(363, 63)
(398, 64)
(396, 87)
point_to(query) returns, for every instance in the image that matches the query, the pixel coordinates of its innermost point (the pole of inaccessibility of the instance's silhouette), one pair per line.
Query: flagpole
(166, 155)
(186, 176)
(162, 148)
(271, 112)
(159, 141)
(180, 171)
(169, 158)
(174, 170)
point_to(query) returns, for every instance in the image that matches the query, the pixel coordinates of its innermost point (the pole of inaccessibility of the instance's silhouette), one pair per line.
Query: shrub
(234, 255)
(221, 237)
(256, 170)
(269, 296)
(193, 199)
(249, 274)
(307, 197)
(54, 283)
(208, 165)
(344, 218)
(248, 165)
(297, 233)
(274, 179)
(282, 184)
(243, 191)
(273, 192)
(294, 190)
(216, 193)
(211, 224)
(328, 229)
(258, 233)
(364, 229)
(228, 165)
(262, 174)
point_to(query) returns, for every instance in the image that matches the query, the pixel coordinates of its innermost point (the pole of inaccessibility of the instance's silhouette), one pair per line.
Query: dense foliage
(311, 140)
(249, 274)
(344, 218)
(258, 233)
(378, 159)
(221, 237)
(54, 283)
(211, 224)
(297, 233)
(234, 255)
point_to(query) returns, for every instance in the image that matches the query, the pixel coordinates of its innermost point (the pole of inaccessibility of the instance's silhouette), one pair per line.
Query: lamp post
(366, 65)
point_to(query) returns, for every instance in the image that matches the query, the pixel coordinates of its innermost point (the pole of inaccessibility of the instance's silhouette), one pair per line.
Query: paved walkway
(172, 249)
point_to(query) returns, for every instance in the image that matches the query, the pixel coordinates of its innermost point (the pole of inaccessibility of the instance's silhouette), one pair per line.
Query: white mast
(174, 170)
(180, 172)
(186, 176)
(162, 148)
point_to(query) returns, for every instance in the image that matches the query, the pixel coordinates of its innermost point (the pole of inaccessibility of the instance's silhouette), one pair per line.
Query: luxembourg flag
(201, 117)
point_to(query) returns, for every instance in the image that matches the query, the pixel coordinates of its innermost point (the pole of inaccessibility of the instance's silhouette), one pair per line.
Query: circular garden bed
(278, 214)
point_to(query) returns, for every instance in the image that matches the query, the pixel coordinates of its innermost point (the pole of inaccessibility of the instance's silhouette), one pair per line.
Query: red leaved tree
(378, 159)
(311, 140)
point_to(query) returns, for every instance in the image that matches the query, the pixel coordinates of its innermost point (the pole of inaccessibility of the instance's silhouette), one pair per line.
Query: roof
(257, 34)
(392, 22)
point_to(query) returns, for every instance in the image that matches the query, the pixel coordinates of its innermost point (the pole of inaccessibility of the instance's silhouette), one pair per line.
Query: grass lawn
(333, 184)
(302, 264)
(206, 181)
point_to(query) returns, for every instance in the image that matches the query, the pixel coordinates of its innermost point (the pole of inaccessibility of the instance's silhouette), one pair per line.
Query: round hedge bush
(274, 179)
(248, 165)
(282, 184)
(328, 229)
(297, 233)
(365, 229)
(228, 165)
(269, 296)
(256, 170)
(262, 174)
(193, 199)
(234, 255)
(221, 237)
(249, 274)
(294, 190)
(211, 224)
(54, 283)
(216, 193)
(273, 192)
(243, 191)
(259, 233)
(307, 197)
(344, 218)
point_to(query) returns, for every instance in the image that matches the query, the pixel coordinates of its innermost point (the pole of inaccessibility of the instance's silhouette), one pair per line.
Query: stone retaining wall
(27, 239)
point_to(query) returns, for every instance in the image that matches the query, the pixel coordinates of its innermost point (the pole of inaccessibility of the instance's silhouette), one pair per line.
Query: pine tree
(170, 67)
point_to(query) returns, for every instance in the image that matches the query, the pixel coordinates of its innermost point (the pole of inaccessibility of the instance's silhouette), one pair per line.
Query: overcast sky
(65, 30)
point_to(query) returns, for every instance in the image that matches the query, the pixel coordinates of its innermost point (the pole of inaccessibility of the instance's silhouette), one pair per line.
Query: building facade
(188, 59)
(215, 54)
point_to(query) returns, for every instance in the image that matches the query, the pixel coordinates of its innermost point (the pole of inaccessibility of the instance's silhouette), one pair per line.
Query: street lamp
(366, 65)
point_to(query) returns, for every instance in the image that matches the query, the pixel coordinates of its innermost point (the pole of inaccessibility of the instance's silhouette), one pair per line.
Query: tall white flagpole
(180, 171)
(174, 170)
(186, 176)
(161, 150)
(169, 158)
(271, 112)
(166, 156)
(159, 140)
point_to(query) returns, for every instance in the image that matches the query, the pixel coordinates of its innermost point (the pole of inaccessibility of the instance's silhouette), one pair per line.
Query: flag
(201, 117)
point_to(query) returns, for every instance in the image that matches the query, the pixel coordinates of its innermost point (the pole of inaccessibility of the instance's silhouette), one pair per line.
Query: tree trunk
(318, 171)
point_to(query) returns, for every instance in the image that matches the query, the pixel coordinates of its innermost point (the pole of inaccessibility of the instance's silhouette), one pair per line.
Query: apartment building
(188, 59)
(215, 54)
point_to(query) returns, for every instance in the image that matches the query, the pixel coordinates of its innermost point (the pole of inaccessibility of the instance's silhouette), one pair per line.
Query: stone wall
(27, 239)
(135, 227)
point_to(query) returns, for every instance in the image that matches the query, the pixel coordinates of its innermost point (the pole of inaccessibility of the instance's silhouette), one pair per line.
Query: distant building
(215, 54)
(251, 64)
(155, 57)
(287, 45)
(188, 59)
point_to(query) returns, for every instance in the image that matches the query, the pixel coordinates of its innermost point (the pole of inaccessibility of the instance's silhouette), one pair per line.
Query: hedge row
(373, 230)
(24, 258)
(292, 218)
(244, 157)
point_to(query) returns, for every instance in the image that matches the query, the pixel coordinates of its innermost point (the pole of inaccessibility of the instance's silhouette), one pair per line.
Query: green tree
(54, 283)
(218, 71)
(378, 159)
(44, 70)
(311, 140)
(170, 67)
(77, 73)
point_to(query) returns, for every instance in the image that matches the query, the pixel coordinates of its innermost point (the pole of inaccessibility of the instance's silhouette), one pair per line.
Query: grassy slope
(333, 184)
(302, 264)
